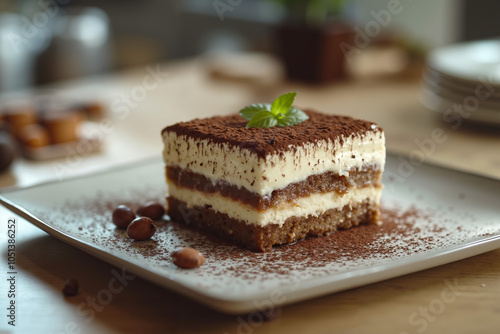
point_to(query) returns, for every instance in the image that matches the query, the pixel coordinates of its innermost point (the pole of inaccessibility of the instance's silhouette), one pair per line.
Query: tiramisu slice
(261, 187)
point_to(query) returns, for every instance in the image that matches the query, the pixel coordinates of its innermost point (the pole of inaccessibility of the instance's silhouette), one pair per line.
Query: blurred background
(74, 73)
(87, 86)
(43, 41)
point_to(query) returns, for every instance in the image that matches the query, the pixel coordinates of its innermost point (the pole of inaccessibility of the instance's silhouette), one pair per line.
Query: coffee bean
(187, 258)
(70, 287)
(123, 216)
(152, 210)
(141, 228)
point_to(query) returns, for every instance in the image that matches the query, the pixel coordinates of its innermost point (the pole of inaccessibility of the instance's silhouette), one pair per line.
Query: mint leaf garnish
(263, 119)
(292, 117)
(280, 113)
(283, 103)
(250, 111)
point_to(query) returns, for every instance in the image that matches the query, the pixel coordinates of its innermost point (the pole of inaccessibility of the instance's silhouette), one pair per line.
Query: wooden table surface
(416, 303)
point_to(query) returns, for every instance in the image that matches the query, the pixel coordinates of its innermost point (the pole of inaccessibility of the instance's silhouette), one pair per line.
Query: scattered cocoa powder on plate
(404, 232)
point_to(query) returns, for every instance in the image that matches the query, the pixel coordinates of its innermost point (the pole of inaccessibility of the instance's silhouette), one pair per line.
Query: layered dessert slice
(261, 187)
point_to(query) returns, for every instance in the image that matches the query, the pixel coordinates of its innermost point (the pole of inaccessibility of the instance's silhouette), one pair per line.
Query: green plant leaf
(250, 111)
(280, 113)
(263, 119)
(292, 117)
(283, 103)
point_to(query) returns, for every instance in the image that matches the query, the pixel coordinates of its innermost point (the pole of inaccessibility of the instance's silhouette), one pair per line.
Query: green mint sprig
(280, 113)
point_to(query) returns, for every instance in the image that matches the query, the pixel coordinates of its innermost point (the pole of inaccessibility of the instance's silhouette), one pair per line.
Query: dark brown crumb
(71, 287)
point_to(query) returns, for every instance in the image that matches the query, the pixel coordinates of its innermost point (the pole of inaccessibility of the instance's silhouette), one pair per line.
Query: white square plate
(437, 216)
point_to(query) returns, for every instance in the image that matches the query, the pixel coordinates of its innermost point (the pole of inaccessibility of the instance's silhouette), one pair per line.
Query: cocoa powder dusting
(231, 130)
(404, 232)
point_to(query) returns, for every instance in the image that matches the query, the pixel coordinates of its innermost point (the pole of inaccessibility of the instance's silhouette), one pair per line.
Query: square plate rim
(308, 290)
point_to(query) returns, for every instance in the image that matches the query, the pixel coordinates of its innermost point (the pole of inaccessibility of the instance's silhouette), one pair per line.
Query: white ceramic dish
(460, 92)
(456, 75)
(484, 113)
(474, 61)
(460, 85)
(457, 216)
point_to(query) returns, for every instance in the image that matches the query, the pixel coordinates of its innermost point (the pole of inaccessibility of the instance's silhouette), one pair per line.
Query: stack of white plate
(462, 81)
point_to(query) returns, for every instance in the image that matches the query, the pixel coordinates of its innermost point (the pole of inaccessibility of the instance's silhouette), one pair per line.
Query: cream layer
(314, 205)
(243, 168)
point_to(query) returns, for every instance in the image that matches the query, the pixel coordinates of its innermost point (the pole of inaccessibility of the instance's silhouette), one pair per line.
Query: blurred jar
(80, 45)
(20, 41)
